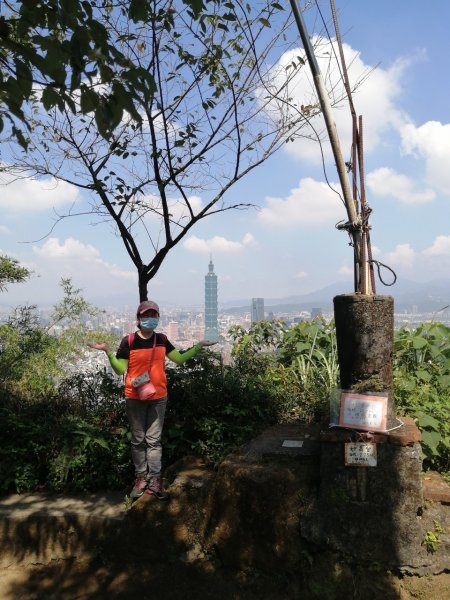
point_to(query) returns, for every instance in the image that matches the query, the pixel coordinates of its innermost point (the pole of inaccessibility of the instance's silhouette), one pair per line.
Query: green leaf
(70, 7)
(24, 77)
(419, 342)
(301, 346)
(102, 443)
(444, 381)
(195, 5)
(265, 22)
(429, 421)
(409, 384)
(125, 101)
(88, 100)
(431, 440)
(20, 137)
(423, 375)
(50, 98)
(138, 10)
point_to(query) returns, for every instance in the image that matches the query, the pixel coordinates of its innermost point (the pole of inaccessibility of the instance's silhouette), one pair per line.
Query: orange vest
(153, 361)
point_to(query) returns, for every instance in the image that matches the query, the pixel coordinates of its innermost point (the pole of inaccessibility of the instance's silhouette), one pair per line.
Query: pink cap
(147, 305)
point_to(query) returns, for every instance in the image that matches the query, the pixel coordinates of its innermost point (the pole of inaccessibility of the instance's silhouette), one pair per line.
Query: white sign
(292, 444)
(363, 411)
(361, 454)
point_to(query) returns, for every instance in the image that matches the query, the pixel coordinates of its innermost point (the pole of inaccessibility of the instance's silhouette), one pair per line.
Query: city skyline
(288, 245)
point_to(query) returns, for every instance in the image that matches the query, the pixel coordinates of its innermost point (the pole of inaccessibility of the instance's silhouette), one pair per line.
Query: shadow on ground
(233, 534)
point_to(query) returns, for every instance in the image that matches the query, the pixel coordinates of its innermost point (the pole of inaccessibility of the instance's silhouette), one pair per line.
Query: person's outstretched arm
(119, 365)
(181, 357)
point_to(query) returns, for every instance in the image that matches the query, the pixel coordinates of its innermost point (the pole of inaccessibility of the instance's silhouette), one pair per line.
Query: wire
(379, 265)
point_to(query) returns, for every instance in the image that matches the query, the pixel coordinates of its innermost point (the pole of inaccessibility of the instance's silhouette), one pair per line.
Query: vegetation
(66, 430)
(66, 48)
(11, 272)
(422, 387)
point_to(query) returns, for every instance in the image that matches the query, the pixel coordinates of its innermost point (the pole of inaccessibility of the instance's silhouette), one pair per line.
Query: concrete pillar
(365, 338)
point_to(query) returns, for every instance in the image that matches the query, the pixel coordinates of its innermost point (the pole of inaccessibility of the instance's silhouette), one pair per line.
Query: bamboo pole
(350, 203)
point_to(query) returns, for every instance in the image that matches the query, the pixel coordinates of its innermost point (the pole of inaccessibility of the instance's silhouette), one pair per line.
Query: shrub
(421, 386)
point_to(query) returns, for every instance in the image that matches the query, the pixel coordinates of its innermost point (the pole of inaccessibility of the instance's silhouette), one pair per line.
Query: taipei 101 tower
(211, 330)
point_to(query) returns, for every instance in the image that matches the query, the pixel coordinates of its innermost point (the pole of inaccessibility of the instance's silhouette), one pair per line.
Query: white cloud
(403, 255)
(177, 207)
(374, 98)
(217, 244)
(4, 230)
(386, 182)
(71, 248)
(123, 273)
(441, 246)
(345, 270)
(376, 251)
(312, 203)
(301, 275)
(249, 240)
(72, 252)
(34, 195)
(432, 142)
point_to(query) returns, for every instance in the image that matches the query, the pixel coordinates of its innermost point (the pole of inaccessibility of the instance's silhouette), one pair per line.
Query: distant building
(257, 309)
(211, 304)
(172, 330)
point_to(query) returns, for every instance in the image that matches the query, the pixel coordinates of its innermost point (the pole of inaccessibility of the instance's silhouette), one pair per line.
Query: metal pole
(325, 106)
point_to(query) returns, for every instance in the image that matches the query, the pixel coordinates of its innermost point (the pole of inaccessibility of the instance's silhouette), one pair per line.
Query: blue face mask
(149, 323)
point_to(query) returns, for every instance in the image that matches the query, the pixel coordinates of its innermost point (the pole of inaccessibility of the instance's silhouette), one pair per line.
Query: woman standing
(141, 357)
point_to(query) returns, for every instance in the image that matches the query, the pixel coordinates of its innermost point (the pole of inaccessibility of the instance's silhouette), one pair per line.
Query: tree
(36, 357)
(63, 46)
(11, 272)
(216, 113)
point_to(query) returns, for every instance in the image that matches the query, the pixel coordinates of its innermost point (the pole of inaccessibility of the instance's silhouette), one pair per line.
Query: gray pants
(146, 418)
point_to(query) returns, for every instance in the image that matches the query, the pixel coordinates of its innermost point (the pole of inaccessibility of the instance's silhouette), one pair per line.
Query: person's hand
(100, 346)
(206, 343)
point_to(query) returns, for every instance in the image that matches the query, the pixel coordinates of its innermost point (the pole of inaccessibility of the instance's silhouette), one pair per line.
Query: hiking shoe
(155, 488)
(139, 487)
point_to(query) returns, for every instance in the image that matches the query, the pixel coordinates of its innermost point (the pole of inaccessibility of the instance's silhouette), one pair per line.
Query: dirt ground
(76, 580)
(231, 541)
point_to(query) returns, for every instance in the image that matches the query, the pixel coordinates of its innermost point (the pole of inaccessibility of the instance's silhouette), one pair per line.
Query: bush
(65, 442)
(73, 435)
(421, 386)
(212, 409)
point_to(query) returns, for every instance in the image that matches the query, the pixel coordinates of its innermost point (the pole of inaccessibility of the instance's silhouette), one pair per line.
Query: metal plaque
(292, 444)
(361, 454)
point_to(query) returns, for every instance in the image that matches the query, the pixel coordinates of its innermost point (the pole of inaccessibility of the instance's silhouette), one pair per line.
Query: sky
(288, 245)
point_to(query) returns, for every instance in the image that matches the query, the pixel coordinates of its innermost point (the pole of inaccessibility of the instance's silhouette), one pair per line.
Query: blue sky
(289, 245)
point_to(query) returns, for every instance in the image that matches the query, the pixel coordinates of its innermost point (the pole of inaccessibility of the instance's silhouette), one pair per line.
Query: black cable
(379, 265)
